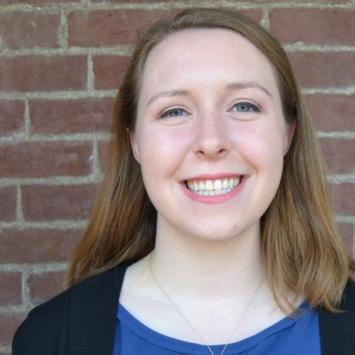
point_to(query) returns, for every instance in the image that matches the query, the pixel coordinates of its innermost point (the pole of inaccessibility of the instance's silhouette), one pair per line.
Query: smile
(213, 187)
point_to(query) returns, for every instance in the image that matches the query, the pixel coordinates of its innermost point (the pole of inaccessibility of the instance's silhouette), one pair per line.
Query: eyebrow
(248, 84)
(232, 86)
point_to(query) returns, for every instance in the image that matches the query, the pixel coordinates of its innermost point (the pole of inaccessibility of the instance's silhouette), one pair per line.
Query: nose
(211, 139)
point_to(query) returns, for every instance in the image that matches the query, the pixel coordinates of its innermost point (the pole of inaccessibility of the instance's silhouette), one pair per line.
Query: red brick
(344, 198)
(108, 71)
(113, 27)
(347, 232)
(71, 116)
(324, 69)
(8, 209)
(45, 285)
(339, 154)
(28, 30)
(43, 73)
(43, 202)
(332, 26)
(332, 112)
(9, 322)
(37, 245)
(10, 286)
(11, 116)
(108, 27)
(42, 159)
(103, 148)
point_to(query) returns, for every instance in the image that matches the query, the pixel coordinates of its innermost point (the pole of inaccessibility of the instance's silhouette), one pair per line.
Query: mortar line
(37, 268)
(19, 214)
(74, 137)
(346, 135)
(50, 181)
(121, 50)
(95, 161)
(57, 95)
(27, 118)
(161, 5)
(265, 20)
(45, 225)
(62, 34)
(26, 289)
(5, 349)
(90, 74)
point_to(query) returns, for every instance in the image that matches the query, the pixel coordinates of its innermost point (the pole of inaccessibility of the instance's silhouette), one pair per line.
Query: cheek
(163, 149)
(262, 146)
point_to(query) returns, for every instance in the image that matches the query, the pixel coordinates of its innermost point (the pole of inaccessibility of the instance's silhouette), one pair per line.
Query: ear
(134, 146)
(290, 132)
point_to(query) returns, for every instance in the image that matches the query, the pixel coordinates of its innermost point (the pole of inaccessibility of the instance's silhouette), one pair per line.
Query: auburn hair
(303, 250)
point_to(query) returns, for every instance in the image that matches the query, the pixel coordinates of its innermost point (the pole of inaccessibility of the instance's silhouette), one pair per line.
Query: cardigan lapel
(92, 313)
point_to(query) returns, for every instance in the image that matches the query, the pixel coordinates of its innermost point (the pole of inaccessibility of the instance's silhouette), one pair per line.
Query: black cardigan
(82, 321)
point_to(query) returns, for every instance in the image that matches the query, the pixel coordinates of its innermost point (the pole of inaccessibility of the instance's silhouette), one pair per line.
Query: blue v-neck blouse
(291, 336)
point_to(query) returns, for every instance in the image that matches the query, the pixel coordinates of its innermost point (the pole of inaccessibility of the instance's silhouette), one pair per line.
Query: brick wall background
(60, 62)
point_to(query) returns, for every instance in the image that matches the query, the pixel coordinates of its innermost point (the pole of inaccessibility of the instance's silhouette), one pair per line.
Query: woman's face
(210, 134)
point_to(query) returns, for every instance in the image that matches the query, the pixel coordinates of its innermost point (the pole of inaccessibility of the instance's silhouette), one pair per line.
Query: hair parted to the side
(302, 249)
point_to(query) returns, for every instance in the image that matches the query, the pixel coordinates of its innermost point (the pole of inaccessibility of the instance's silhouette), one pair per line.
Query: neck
(208, 269)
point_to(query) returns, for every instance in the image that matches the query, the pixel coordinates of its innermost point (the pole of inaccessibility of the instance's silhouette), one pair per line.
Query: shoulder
(349, 295)
(46, 325)
(337, 329)
(43, 327)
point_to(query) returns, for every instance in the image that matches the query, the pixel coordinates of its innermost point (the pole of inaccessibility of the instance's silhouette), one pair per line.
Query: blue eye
(245, 107)
(174, 112)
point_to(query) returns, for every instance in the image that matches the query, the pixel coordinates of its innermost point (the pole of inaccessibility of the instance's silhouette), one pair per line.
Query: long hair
(303, 251)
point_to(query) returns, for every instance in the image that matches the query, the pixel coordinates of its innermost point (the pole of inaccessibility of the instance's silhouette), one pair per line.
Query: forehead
(207, 55)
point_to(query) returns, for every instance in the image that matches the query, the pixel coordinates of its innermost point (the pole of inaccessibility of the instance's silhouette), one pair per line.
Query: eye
(174, 112)
(245, 107)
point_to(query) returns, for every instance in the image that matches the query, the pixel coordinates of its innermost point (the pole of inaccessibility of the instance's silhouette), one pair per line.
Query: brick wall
(60, 62)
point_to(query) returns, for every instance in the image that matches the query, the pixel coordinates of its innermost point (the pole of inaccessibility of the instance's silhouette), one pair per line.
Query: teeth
(213, 187)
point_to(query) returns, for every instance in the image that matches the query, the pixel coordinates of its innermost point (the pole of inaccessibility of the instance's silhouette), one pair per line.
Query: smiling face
(210, 134)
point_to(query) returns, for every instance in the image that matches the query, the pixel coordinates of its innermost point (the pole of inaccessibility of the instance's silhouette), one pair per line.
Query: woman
(212, 232)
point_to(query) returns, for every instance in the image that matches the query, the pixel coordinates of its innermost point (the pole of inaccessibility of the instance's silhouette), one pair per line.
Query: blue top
(291, 336)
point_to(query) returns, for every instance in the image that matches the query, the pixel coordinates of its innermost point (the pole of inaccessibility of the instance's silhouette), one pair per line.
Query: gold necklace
(189, 323)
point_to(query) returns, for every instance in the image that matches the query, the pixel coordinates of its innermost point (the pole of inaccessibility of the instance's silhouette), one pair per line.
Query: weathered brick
(37, 245)
(11, 116)
(42, 159)
(108, 71)
(332, 26)
(71, 116)
(44, 286)
(45, 202)
(344, 198)
(8, 203)
(42, 73)
(324, 69)
(347, 232)
(332, 112)
(339, 154)
(10, 286)
(9, 322)
(28, 30)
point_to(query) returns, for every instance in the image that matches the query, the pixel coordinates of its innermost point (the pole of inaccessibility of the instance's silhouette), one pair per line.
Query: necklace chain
(189, 323)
